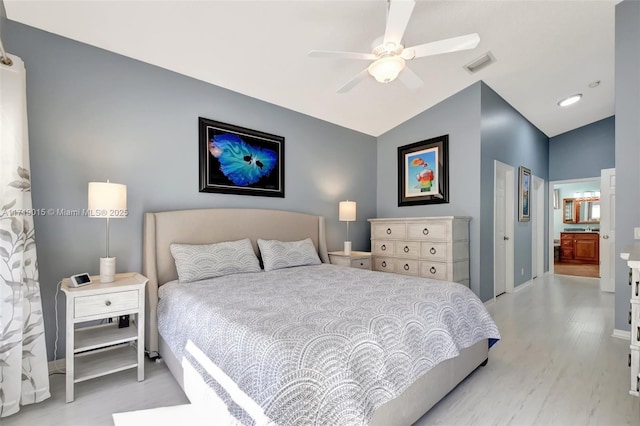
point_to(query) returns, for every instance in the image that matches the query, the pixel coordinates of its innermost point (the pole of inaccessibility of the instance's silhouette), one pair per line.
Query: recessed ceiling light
(570, 100)
(594, 84)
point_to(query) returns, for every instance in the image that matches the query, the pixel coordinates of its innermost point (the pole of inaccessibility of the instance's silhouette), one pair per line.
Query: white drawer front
(361, 263)
(434, 251)
(432, 231)
(635, 369)
(407, 249)
(86, 306)
(407, 266)
(395, 231)
(434, 270)
(384, 248)
(339, 260)
(384, 264)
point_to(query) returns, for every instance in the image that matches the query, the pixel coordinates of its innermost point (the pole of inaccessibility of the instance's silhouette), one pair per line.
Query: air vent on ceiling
(479, 63)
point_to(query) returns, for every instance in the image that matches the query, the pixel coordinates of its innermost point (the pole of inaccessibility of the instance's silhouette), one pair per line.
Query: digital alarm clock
(79, 280)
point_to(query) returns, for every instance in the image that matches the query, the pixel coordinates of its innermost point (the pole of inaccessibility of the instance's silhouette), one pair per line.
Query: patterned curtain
(24, 376)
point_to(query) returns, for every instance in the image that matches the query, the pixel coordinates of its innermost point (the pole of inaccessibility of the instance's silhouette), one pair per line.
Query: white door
(607, 229)
(537, 228)
(503, 219)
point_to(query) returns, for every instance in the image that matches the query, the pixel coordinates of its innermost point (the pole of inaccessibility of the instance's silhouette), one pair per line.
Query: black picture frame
(423, 172)
(240, 161)
(524, 194)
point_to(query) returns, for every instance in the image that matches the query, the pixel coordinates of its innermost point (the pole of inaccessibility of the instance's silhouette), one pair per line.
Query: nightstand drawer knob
(432, 250)
(108, 303)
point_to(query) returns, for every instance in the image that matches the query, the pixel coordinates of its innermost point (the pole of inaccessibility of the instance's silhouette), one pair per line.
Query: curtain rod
(6, 60)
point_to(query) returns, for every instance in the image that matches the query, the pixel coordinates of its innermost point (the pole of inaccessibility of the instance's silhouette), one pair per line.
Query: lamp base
(107, 269)
(347, 247)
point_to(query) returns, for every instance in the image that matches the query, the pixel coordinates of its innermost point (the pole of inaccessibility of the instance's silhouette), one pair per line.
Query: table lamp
(107, 201)
(347, 213)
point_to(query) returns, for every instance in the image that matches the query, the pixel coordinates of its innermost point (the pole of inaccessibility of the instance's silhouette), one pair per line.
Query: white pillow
(280, 254)
(200, 261)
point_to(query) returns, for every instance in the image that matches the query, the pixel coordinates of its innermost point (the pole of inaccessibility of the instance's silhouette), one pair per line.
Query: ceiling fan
(389, 55)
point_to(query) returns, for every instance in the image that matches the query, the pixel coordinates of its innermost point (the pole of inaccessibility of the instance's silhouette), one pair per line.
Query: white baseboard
(522, 286)
(57, 366)
(621, 334)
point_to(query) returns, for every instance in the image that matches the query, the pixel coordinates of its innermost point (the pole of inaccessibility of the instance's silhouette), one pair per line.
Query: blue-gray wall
(627, 144)
(94, 115)
(508, 137)
(583, 152)
(459, 117)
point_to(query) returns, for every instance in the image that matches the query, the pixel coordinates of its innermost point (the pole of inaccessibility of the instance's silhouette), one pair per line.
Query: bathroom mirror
(581, 210)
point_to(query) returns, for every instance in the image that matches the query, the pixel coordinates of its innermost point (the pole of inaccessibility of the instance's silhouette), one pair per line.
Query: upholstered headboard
(211, 226)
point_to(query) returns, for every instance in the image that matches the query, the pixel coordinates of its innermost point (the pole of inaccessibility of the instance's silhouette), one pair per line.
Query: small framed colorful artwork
(423, 172)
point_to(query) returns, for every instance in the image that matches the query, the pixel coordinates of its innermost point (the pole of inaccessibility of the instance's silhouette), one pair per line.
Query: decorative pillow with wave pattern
(201, 261)
(280, 254)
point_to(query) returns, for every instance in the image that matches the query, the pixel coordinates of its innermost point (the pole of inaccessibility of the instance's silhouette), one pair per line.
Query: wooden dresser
(580, 247)
(632, 256)
(431, 247)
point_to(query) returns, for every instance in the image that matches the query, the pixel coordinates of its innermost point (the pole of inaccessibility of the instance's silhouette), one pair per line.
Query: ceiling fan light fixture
(386, 69)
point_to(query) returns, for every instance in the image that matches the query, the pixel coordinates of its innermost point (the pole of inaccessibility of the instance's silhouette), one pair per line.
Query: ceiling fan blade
(410, 79)
(397, 20)
(344, 55)
(465, 42)
(354, 81)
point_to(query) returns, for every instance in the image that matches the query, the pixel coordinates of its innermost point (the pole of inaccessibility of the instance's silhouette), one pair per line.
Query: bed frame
(217, 225)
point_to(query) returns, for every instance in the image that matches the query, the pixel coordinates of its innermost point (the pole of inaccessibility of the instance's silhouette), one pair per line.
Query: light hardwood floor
(556, 364)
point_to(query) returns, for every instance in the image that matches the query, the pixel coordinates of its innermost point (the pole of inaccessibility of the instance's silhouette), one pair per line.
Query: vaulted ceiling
(544, 50)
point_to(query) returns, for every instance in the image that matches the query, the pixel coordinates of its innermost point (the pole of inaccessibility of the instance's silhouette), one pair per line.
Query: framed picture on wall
(236, 160)
(423, 172)
(524, 194)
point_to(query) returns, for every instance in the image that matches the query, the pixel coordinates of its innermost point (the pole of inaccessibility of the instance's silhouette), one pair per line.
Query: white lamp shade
(347, 211)
(107, 200)
(386, 69)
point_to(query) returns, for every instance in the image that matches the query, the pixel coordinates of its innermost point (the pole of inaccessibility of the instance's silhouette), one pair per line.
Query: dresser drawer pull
(629, 360)
(629, 317)
(108, 303)
(425, 231)
(383, 264)
(383, 247)
(388, 231)
(432, 269)
(406, 268)
(638, 334)
(630, 275)
(637, 285)
(432, 250)
(638, 384)
(406, 249)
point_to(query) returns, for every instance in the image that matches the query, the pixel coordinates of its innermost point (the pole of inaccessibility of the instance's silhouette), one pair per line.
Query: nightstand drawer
(97, 304)
(361, 263)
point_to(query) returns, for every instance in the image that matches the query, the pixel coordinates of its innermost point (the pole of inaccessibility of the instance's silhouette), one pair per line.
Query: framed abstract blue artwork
(236, 160)
(524, 194)
(423, 172)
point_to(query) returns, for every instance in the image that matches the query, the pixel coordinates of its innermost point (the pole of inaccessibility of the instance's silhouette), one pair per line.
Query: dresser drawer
(407, 249)
(384, 264)
(432, 231)
(384, 248)
(361, 263)
(434, 270)
(98, 304)
(407, 266)
(434, 251)
(395, 231)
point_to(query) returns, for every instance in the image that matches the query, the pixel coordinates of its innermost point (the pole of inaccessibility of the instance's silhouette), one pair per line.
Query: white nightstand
(94, 351)
(357, 259)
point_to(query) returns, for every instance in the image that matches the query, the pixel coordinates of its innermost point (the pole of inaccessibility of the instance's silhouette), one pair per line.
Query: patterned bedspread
(321, 345)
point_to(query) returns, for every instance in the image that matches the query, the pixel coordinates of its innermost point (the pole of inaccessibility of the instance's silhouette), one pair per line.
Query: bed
(208, 379)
